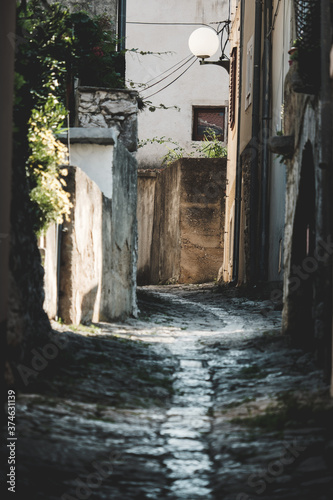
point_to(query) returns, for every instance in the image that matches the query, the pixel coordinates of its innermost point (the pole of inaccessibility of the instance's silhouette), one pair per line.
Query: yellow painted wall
(246, 115)
(245, 136)
(225, 271)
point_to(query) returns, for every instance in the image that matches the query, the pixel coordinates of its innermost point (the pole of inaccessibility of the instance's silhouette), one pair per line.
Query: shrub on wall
(52, 48)
(46, 178)
(210, 147)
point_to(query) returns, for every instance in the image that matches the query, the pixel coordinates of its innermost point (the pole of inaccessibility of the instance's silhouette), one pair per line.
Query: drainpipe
(324, 203)
(266, 109)
(58, 239)
(121, 25)
(238, 201)
(255, 142)
(120, 60)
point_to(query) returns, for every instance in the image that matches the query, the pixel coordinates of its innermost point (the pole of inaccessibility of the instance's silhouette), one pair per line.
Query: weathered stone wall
(81, 251)
(145, 210)
(181, 222)
(99, 244)
(307, 297)
(300, 115)
(202, 213)
(121, 300)
(158, 225)
(92, 149)
(165, 250)
(48, 247)
(109, 108)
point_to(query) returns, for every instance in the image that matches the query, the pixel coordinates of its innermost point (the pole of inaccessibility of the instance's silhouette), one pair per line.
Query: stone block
(81, 252)
(120, 107)
(109, 108)
(181, 221)
(99, 245)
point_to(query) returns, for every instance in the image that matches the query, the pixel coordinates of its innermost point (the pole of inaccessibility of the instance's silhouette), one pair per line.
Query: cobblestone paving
(199, 398)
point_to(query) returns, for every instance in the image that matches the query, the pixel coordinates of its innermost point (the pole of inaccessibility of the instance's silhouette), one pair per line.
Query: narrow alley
(201, 397)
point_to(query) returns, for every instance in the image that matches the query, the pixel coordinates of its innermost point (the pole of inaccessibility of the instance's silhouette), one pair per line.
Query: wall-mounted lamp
(204, 43)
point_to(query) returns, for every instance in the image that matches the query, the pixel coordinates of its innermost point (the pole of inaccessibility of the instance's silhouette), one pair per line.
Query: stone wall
(300, 115)
(158, 225)
(307, 294)
(109, 108)
(123, 258)
(181, 222)
(92, 149)
(48, 248)
(81, 251)
(99, 244)
(202, 213)
(165, 250)
(145, 210)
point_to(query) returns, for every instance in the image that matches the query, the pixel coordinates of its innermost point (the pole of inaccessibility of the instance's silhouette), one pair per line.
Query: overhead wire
(177, 69)
(146, 86)
(166, 86)
(188, 59)
(174, 65)
(170, 24)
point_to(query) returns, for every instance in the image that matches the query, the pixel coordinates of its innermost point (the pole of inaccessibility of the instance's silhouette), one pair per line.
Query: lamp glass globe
(204, 42)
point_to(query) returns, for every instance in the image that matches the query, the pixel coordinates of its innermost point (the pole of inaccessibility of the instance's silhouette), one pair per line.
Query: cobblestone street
(199, 398)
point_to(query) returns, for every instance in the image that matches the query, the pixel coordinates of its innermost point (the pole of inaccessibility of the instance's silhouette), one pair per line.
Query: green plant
(211, 148)
(173, 154)
(46, 178)
(94, 60)
(52, 47)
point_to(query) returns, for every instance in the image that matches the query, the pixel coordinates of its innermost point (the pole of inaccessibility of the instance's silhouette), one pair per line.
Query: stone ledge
(282, 144)
(132, 93)
(90, 135)
(147, 173)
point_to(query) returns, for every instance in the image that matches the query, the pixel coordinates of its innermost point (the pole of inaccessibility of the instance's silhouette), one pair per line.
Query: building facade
(278, 212)
(307, 312)
(261, 35)
(166, 74)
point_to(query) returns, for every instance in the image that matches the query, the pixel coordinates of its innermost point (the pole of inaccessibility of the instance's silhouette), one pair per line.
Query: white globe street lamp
(204, 42)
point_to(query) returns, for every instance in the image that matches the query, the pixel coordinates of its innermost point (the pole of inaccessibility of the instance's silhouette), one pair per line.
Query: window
(208, 118)
(233, 87)
(249, 73)
(307, 17)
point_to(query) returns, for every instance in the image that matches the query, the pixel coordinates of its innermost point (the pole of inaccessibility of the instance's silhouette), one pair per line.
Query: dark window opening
(208, 118)
(307, 17)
